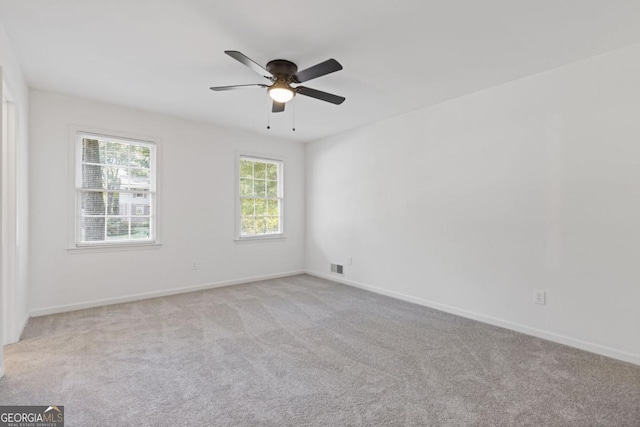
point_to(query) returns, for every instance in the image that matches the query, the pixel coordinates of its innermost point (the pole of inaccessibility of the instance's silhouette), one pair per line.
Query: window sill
(278, 237)
(113, 248)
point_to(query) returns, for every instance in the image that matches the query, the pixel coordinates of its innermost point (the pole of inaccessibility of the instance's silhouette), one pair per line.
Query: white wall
(197, 212)
(15, 80)
(472, 204)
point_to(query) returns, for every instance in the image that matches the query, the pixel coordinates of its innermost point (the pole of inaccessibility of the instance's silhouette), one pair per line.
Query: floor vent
(336, 268)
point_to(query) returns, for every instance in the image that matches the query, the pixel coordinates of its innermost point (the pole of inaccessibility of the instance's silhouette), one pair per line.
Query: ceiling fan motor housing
(282, 68)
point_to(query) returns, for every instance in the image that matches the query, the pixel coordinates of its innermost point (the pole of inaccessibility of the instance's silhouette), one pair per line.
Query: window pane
(246, 187)
(259, 170)
(115, 177)
(248, 207)
(140, 156)
(273, 224)
(273, 207)
(118, 203)
(138, 178)
(261, 225)
(246, 169)
(140, 228)
(93, 151)
(248, 225)
(272, 171)
(117, 228)
(141, 205)
(140, 210)
(92, 229)
(93, 203)
(92, 176)
(272, 188)
(261, 207)
(117, 153)
(259, 187)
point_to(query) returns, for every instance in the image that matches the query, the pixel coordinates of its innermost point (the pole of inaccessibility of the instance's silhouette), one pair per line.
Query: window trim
(238, 216)
(76, 133)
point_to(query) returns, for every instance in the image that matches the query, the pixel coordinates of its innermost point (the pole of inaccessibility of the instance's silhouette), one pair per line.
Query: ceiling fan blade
(327, 67)
(240, 57)
(221, 88)
(278, 107)
(318, 94)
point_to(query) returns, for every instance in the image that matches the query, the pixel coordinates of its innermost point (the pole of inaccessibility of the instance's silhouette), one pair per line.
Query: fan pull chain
(294, 116)
(268, 115)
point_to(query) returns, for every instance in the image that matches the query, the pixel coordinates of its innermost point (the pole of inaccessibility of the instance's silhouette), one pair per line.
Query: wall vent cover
(336, 268)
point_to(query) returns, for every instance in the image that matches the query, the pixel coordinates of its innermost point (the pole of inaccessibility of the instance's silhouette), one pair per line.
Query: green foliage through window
(260, 197)
(116, 190)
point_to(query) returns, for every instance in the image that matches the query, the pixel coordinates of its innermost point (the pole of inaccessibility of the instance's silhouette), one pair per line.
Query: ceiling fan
(282, 74)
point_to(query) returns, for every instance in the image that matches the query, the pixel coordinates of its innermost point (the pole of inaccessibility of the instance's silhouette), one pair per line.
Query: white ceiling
(163, 55)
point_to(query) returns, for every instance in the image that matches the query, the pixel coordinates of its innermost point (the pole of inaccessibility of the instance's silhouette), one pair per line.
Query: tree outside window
(112, 173)
(261, 197)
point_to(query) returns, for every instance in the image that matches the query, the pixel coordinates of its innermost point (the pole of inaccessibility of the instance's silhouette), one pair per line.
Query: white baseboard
(539, 333)
(155, 294)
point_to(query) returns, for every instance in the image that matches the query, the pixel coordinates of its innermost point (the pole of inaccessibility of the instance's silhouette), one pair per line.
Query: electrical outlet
(350, 261)
(539, 297)
(194, 265)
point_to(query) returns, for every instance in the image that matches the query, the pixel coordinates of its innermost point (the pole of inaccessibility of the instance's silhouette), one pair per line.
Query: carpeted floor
(302, 351)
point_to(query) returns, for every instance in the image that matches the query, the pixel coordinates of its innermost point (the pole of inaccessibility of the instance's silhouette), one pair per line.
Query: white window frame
(77, 134)
(280, 161)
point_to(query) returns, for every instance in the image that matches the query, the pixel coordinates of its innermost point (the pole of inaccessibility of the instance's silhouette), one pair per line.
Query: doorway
(8, 219)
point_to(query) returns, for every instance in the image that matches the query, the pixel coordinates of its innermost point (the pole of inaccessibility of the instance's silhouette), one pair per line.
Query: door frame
(8, 217)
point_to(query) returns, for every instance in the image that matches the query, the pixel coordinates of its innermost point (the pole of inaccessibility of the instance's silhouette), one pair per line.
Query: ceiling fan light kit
(281, 92)
(282, 74)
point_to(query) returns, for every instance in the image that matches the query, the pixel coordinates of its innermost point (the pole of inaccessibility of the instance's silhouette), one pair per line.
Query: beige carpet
(302, 351)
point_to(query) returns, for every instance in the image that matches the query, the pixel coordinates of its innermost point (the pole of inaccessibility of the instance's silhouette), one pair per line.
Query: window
(110, 173)
(260, 197)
